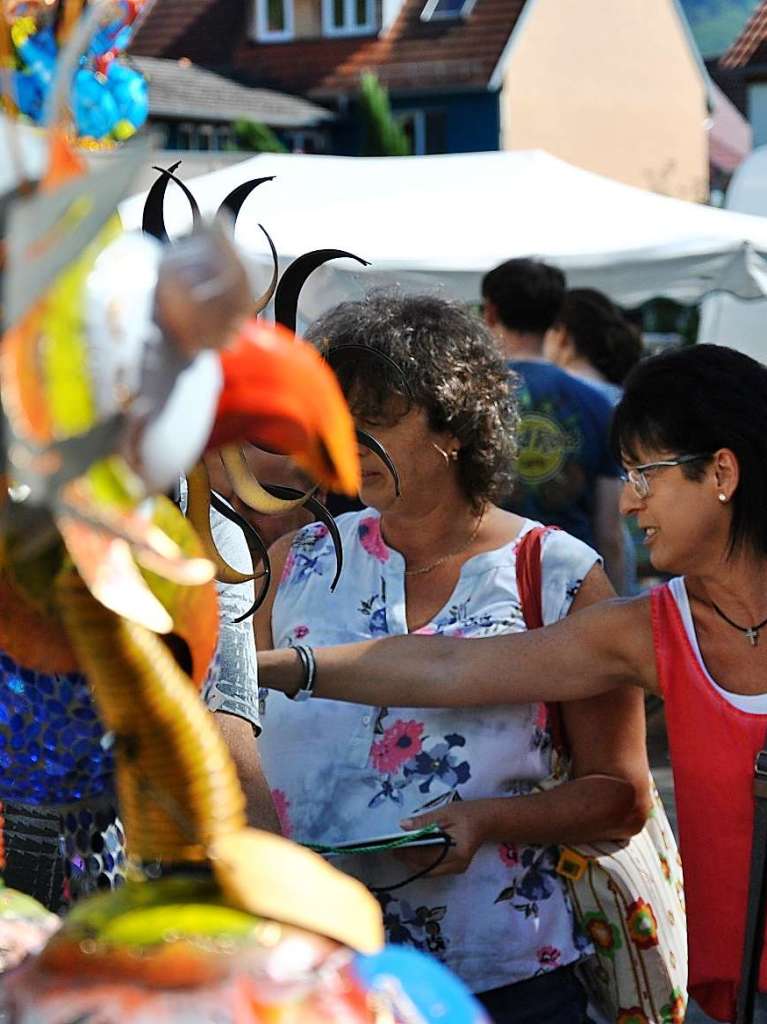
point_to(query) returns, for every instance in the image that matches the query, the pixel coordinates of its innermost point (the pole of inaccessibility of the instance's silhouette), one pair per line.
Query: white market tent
(442, 221)
(731, 321)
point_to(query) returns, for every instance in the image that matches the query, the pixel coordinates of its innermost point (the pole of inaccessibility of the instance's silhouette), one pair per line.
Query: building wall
(448, 123)
(612, 87)
(308, 19)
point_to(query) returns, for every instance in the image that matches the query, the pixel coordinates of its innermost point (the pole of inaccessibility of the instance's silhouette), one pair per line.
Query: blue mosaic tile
(50, 738)
(53, 748)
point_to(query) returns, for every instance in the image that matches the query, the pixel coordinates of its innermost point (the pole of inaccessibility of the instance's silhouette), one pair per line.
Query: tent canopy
(726, 320)
(443, 221)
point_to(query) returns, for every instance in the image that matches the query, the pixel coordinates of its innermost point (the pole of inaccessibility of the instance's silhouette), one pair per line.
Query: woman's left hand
(463, 821)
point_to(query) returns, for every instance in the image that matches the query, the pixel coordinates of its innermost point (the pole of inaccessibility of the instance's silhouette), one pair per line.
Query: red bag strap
(530, 576)
(530, 587)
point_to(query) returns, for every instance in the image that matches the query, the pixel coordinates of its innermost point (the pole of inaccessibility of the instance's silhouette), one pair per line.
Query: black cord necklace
(750, 632)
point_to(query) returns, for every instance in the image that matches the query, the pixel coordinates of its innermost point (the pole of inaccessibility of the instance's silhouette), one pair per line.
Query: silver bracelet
(309, 665)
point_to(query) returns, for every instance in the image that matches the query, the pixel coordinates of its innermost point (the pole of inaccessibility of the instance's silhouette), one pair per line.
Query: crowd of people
(536, 422)
(418, 727)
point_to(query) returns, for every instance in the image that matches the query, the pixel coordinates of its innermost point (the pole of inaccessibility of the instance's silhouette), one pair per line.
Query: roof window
(446, 10)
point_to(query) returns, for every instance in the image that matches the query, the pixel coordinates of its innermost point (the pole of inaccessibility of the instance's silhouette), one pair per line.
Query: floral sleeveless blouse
(343, 772)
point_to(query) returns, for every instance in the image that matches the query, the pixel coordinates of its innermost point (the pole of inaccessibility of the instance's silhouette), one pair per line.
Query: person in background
(233, 695)
(593, 341)
(439, 558)
(565, 473)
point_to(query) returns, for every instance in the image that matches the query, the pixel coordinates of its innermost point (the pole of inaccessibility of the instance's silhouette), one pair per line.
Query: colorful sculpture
(122, 361)
(109, 99)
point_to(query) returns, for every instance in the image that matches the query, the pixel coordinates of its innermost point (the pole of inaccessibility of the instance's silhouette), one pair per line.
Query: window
(446, 10)
(347, 17)
(273, 21)
(425, 129)
(222, 138)
(185, 136)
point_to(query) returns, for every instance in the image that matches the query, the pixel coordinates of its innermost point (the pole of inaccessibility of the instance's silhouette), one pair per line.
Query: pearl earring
(723, 498)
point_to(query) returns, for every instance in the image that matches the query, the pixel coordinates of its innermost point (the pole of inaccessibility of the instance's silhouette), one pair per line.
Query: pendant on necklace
(753, 635)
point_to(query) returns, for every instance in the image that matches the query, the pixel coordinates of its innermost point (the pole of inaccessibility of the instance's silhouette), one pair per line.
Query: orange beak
(280, 394)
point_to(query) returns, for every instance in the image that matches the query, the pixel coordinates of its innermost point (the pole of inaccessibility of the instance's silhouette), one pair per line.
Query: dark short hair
(527, 294)
(699, 399)
(441, 358)
(601, 333)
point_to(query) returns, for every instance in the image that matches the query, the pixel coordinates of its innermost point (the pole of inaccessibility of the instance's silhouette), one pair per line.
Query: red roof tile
(202, 30)
(749, 40)
(412, 55)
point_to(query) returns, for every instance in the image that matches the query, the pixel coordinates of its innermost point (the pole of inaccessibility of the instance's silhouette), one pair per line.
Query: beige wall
(609, 85)
(308, 19)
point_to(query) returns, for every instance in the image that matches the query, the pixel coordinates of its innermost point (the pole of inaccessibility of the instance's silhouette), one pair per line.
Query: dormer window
(446, 10)
(273, 21)
(348, 17)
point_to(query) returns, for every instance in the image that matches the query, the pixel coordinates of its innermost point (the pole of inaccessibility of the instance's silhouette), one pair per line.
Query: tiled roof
(749, 40)
(178, 88)
(411, 55)
(200, 29)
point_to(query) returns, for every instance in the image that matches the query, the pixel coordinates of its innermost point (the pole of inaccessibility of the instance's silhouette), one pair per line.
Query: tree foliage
(255, 137)
(381, 134)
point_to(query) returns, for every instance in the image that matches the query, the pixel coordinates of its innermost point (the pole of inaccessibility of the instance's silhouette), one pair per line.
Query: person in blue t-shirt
(565, 474)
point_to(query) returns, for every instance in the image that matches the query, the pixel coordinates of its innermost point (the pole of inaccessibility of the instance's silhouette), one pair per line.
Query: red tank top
(713, 746)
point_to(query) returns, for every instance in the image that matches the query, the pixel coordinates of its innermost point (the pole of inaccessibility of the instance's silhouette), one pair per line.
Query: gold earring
(442, 452)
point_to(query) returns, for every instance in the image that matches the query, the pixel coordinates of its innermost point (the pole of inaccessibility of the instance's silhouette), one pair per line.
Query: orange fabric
(713, 746)
(65, 162)
(23, 393)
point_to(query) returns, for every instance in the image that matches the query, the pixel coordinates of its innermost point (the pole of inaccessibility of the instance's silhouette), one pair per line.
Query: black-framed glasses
(637, 476)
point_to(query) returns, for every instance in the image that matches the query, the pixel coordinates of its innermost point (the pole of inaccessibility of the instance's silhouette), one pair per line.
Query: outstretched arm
(606, 797)
(588, 653)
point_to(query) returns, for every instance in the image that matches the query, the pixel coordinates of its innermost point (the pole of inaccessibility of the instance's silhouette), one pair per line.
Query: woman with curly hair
(436, 556)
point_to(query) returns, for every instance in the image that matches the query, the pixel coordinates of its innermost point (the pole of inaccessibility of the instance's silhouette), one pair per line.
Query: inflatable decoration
(122, 361)
(109, 99)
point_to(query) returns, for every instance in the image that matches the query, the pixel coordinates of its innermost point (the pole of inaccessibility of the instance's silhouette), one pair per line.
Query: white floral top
(343, 772)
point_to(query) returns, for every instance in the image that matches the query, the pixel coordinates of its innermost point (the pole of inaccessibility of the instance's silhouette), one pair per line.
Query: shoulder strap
(530, 576)
(755, 909)
(530, 587)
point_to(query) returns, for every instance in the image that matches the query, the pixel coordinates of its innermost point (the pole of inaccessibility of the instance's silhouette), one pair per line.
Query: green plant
(255, 137)
(381, 134)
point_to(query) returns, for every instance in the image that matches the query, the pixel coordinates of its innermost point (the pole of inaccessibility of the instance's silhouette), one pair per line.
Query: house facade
(617, 88)
(742, 72)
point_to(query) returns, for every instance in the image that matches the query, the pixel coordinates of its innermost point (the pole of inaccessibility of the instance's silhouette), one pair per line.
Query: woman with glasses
(691, 431)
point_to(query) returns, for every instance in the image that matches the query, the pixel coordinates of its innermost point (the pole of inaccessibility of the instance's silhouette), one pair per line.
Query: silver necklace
(751, 633)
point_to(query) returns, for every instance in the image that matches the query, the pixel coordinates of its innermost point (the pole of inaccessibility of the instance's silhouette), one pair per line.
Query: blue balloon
(29, 94)
(114, 36)
(93, 105)
(31, 85)
(437, 995)
(130, 93)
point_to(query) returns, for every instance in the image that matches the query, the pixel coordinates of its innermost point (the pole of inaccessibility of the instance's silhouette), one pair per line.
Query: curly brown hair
(435, 354)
